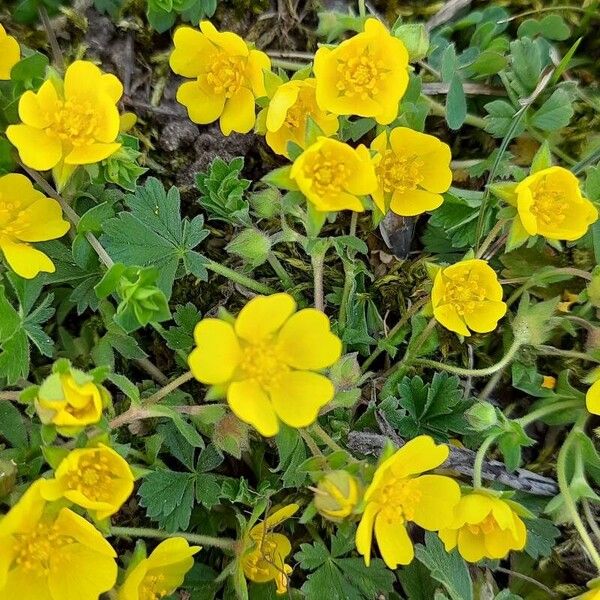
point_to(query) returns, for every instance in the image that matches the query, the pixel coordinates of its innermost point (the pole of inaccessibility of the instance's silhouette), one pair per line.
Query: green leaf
(499, 118)
(555, 113)
(187, 431)
(155, 234)
(456, 104)
(542, 159)
(181, 336)
(110, 7)
(526, 62)
(292, 453)
(541, 537)
(168, 498)
(417, 582)
(12, 425)
(446, 567)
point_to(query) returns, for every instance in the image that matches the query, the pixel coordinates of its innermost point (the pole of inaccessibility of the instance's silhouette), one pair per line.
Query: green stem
(503, 362)
(591, 519)
(326, 438)
(552, 351)
(569, 501)
(236, 277)
(362, 11)
(308, 440)
(480, 457)
(202, 540)
(167, 389)
(318, 260)
(10, 396)
(491, 236)
(56, 51)
(548, 409)
(280, 271)
(288, 65)
(348, 277)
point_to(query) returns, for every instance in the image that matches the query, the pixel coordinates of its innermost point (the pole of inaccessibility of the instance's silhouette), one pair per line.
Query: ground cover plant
(299, 300)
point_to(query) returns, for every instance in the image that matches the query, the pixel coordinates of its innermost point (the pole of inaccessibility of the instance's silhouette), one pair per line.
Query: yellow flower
(593, 594)
(69, 400)
(484, 527)
(52, 555)
(366, 75)
(287, 114)
(266, 362)
(161, 573)
(69, 124)
(413, 170)
(337, 495)
(548, 382)
(10, 53)
(467, 295)
(26, 215)
(97, 479)
(332, 175)
(227, 74)
(592, 398)
(265, 558)
(549, 203)
(398, 495)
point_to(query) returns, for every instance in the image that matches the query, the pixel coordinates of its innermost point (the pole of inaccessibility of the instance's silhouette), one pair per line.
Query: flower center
(549, 205)
(263, 558)
(34, 549)
(398, 498)
(359, 76)
(153, 587)
(485, 527)
(226, 74)
(93, 477)
(327, 174)
(74, 122)
(464, 292)
(399, 173)
(262, 362)
(296, 115)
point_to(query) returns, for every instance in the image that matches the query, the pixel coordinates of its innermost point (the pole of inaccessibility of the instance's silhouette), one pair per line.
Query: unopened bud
(481, 416)
(252, 245)
(266, 203)
(337, 495)
(416, 39)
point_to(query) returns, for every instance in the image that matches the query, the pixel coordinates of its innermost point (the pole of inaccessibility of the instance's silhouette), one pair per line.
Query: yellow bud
(337, 495)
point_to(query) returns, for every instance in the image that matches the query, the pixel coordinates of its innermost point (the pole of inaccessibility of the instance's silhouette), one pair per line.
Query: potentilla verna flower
(266, 551)
(365, 75)
(468, 296)
(52, 554)
(266, 361)
(288, 112)
(227, 76)
(10, 53)
(97, 479)
(413, 171)
(549, 203)
(484, 526)
(333, 175)
(26, 216)
(70, 123)
(399, 494)
(161, 573)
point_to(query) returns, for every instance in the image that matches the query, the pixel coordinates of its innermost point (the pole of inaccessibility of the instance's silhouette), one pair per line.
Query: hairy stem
(236, 277)
(202, 540)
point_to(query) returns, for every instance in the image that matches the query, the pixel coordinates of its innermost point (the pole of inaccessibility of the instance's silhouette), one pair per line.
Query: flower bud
(266, 203)
(416, 39)
(8, 477)
(481, 416)
(337, 495)
(251, 245)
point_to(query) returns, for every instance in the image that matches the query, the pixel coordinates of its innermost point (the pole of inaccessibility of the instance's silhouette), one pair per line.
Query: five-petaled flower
(366, 75)
(398, 495)
(266, 551)
(97, 479)
(549, 203)
(10, 53)
(266, 361)
(228, 76)
(286, 117)
(26, 216)
(70, 401)
(467, 295)
(52, 554)
(484, 526)
(332, 175)
(161, 573)
(69, 124)
(413, 170)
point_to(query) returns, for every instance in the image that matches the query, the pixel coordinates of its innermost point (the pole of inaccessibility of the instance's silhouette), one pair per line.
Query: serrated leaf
(555, 113)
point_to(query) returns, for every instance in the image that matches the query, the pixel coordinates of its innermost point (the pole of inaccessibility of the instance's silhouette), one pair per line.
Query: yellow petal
(299, 395)
(25, 260)
(417, 456)
(36, 109)
(258, 62)
(83, 79)
(592, 398)
(10, 53)
(447, 316)
(279, 516)
(485, 316)
(306, 342)
(438, 497)
(108, 121)
(284, 98)
(473, 508)
(238, 114)
(193, 52)
(75, 526)
(112, 86)
(471, 546)
(414, 202)
(232, 43)
(25, 585)
(263, 316)
(19, 189)
(93, 153)
(250, 403)
(394, 544)
(217, 354)
(203, 105)
(46, 222)
(36, 149)
(449, 537)
(364, 532)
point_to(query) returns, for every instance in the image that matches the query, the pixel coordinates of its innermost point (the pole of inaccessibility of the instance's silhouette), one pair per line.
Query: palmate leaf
(155, 234)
